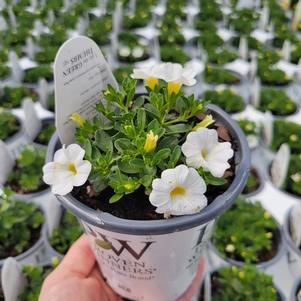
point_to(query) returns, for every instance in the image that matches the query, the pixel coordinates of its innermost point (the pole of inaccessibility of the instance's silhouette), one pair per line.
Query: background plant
(293, 180)
(256, 237)
(20, 224)
(45, 134)
(9, 125)
(217, 75)
(245, 283)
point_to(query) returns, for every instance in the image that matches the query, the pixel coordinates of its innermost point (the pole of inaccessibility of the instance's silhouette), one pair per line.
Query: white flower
(149, 74)
(176, 76)
(124, 51)
(68, 169)
(179, 191)
(202, 149)
(137, 52)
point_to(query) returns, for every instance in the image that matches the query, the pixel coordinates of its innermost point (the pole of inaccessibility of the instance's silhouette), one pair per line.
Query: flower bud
(150, 142)
(79, 120)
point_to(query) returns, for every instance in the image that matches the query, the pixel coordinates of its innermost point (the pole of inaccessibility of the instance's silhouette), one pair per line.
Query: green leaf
(168, 142)
(178, 128)
(146, 180)
(156, 127)
(115, 198)
(141, 119)
(161, 155)
(126, 167)
(211, 180)
(88, 148)
(175, 156)
(103, 141)
(122, 144)
(152, 110)
(137, 163)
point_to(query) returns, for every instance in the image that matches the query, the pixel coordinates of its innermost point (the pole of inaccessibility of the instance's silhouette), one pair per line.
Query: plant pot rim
(286, 233)
(261, 183)
(296, 285)
(259, 265)
(38, 244)
(137, 227)
(20, 132)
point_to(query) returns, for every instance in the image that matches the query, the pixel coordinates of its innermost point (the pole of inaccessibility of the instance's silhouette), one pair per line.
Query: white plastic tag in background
(253, 64)
(243, 48)
(261, 35)
(32, 123)
(286, 50)
(53, 214)
(2, 4)
(280, 165)
(12, 17)
(244, 4)
(6, 162)
(287, 67)
(43, 91)
(256, 87)
(239, 66)
(264, 18)
(268, 128)
(17, 72)
(12, 279)
(30, 48)
(295, 224)
(81, 73)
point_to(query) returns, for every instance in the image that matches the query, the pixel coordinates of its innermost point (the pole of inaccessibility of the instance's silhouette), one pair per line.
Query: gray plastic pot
(296, 288)
(293, 252)
(156, 259)
(36, 253)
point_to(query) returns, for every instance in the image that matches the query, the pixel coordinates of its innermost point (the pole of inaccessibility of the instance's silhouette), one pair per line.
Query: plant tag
(3, 24)
(240, 66)
(287, 67)
(13, 279)
(280, 165)
(6, 162)
(2, 4)
(268, 128)
(243, 48)
(295, 224)
(225, 34)
(50, 17)
(17, 72)
(32, 123)
(256, 87)
(261, 35)
(286, 50)
(43, 91)
(245, 4)
(253, 64)
(264, 17)
(12, 17)
(81, 73)
(30, 48)
(53, 214)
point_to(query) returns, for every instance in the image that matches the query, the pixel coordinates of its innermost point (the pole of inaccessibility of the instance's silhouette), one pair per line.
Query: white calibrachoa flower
(149, 74)
(67, 170)
(179, 191)
(202, 149)
(176, 75)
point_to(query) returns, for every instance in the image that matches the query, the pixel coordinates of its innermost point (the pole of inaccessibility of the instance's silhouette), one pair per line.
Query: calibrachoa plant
(152, 143)
(9, 124)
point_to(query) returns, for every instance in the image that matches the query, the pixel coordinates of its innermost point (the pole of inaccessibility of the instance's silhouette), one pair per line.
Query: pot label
(149, 267)
(80, 73)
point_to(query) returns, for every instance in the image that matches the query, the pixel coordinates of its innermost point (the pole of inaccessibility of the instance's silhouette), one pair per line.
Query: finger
(79, 260)
(195, 285)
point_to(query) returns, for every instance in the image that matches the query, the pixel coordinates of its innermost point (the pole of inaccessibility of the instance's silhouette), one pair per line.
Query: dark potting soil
(35, 236)
(256, 184)
(136, 206)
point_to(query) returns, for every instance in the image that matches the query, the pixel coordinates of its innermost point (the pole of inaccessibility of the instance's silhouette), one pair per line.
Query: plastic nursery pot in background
(293, 252)
(255, 183)
(156, 259)
(296, 290)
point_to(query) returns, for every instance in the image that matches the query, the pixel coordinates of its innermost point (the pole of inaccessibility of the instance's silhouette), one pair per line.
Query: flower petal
(74, 153)
(181, 172)
(194, 182)
(82, 173)
(62, 188)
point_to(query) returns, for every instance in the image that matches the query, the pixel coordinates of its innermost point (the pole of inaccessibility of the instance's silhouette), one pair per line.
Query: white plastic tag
(53, 214)
(32, 123)
(17, 72)
(6, 162)
(43, 91)
(3, 24)
(268, 128)
(243, 48)
(280, 165)
(256, 87)
(295, 224)
(81, 73)
(12, 279)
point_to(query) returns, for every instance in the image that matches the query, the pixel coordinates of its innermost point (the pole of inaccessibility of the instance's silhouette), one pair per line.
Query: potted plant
(99, 30)
(140, 18)
(233, 283)
(11, 96)
(276, 101)
(221, 56)
(33, 75)
(21, 226)
(243, 20)
(285, 131)
(168, 35)
(46, 55)
(259, 243)
(210, 10)
(48, 128)
(173, 53)
(217, 76)
(254, 182)
(252, 42)
(132, 48)
(9, 125)
(4, 71)
(123, 72)
(26, 176)
(145, 146)
(296, 53)
(226, 98)
(67, 232)
(210, 40)
(251, 130)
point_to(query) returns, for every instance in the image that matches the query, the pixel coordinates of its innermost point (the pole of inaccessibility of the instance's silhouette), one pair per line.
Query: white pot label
(32, 123)
(53, 213)
(80, 74)
(261, 35)
(6, 162)
(43, 91)
(240, 66)
(268, 128)
(256, 87)
(12, 279)
(243, 48)
(149, 267)
(295, 224)
(17, 72)
(280, 165)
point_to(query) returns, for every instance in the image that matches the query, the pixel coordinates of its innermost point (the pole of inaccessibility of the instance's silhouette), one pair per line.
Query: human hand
(78, 278)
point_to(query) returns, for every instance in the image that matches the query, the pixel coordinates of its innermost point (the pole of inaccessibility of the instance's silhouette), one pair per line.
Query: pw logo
(106, 243)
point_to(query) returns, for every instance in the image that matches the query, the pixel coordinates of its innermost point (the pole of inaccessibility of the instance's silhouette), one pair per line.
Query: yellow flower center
(173, 87)
(178, 191)
(151, 82)
(72, 168)
(204, 153)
